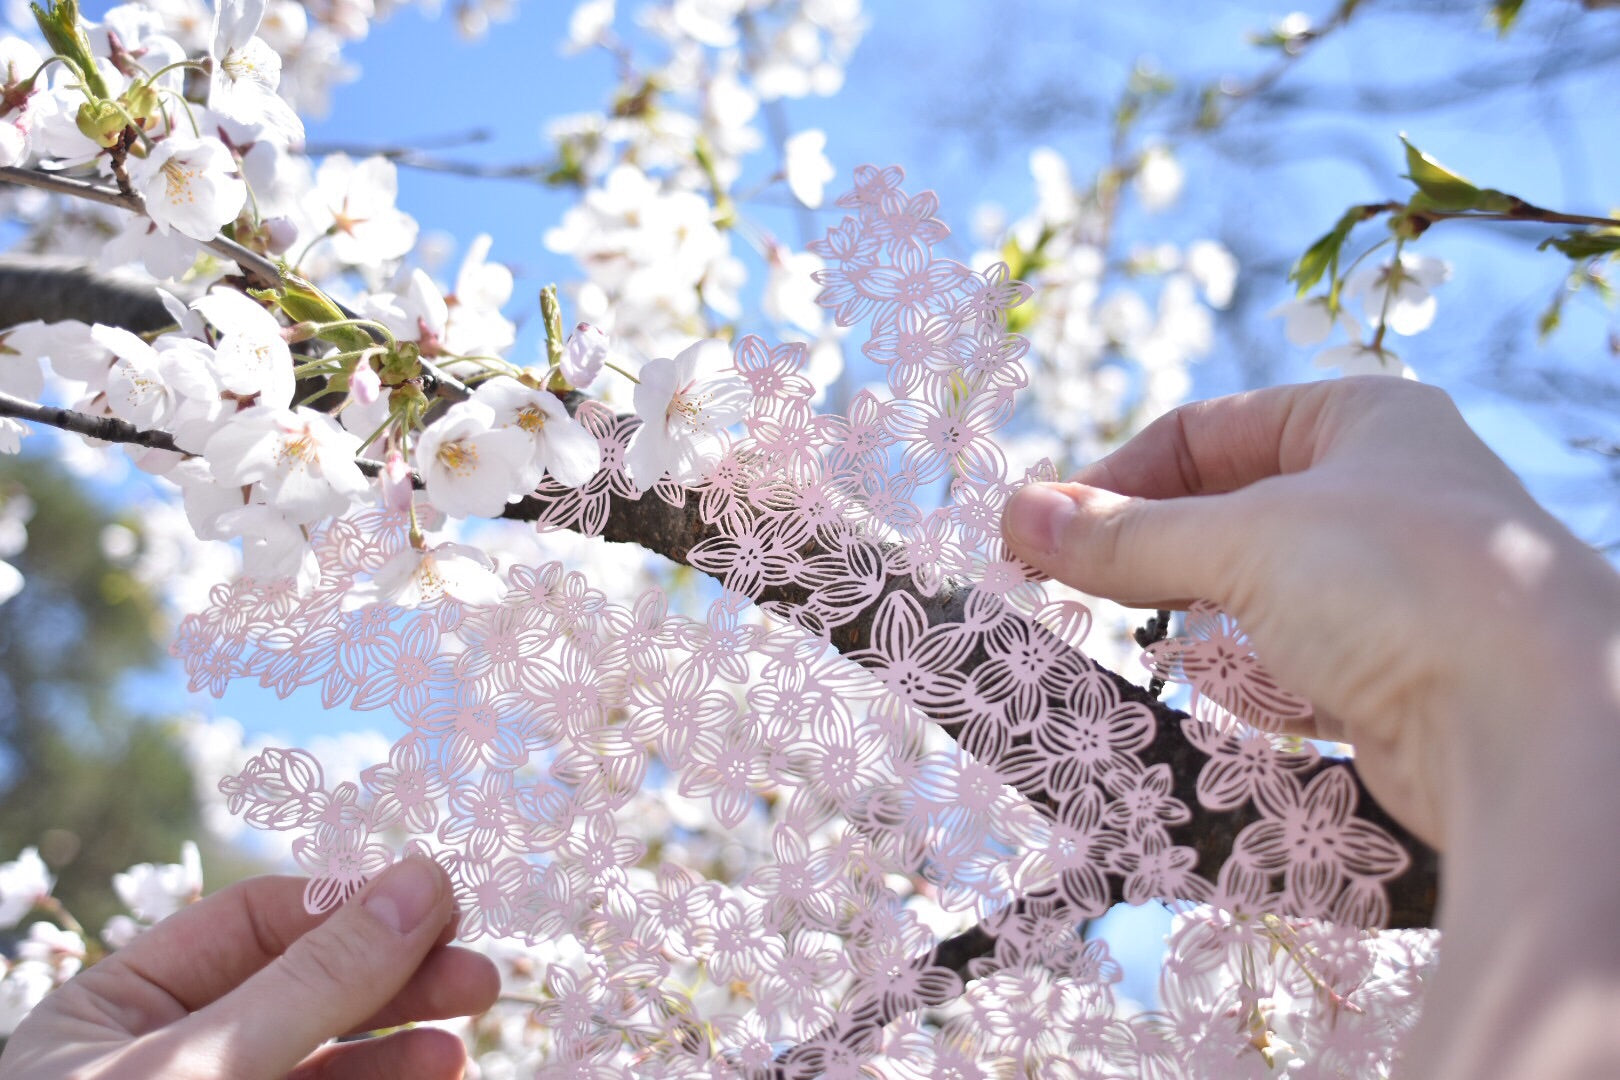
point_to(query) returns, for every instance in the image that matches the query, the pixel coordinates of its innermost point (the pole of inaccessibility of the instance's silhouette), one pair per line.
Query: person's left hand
(245, 984)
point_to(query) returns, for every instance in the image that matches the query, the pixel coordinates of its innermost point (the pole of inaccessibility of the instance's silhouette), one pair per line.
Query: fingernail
(402, 897)
(1036, 517)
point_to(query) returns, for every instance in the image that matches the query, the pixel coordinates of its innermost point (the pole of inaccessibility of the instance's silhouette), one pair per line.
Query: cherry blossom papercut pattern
(923, 787)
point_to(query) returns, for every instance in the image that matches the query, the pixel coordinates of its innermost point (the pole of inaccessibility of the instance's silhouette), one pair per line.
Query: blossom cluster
(1394, 296)
(1113, 333)
(54, 950)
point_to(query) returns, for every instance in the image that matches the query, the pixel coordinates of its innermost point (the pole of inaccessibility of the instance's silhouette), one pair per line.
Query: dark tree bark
(40, 288)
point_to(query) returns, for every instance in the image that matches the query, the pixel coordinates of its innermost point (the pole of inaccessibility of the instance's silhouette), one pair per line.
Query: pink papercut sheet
(913, 719)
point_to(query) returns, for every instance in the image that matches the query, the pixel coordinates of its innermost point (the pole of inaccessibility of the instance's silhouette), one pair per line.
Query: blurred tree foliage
(85, 778)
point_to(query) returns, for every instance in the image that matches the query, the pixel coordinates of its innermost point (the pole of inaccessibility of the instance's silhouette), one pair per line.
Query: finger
(200, 953)
(1128, 550)
(450, 982)
(418, 1054)
(1320, 725)
(1210, 447)
(329, 980)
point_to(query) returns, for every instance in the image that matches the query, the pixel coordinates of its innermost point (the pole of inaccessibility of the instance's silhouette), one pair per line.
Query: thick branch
(52, 288)
(673, 531)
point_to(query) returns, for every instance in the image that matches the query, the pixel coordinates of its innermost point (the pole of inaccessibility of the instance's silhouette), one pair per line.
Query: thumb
(1139, 552)
(329, 980)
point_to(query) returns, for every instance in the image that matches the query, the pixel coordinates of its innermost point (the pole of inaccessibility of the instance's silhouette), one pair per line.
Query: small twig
(106, 428)
(417, 157)
(1294, 48)
(113, 430)
(1151, 633)
(1594, 444)
(252, 263)
(1521, 212)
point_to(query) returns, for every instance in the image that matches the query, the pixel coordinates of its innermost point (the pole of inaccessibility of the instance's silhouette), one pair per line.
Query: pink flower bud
(364, 384)
(280, 234)
(587, 351)
(396, 483)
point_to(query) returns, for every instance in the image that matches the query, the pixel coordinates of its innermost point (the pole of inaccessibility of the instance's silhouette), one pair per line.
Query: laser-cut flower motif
(338, 862)
(1214, 657)
(1310, 837)
(568, 743)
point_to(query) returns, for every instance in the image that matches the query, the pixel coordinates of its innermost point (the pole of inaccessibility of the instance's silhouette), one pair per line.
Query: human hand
(1383, 561)
(246, 984)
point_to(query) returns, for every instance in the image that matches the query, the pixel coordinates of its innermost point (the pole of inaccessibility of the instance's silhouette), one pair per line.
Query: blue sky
(947, 90)
(913, 72)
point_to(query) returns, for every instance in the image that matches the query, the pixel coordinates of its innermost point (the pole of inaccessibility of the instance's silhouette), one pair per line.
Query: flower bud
(396, 483)
(101, 122)
(279, 234)
(364, 384)
(587, 351)
(142, 103)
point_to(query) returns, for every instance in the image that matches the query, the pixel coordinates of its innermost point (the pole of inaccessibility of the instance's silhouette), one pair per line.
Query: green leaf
(1549, 320)
(1504, 13)
(303, 302)
(1324, 254)
(1585, 245)
(65, 34)
(1444, 189)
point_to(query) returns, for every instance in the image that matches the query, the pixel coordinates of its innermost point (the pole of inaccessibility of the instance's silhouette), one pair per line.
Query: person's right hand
(1384, 562)
(247, 984)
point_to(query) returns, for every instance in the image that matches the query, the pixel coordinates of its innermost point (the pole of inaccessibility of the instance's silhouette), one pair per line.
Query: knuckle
(320, 962)
(1113, 540)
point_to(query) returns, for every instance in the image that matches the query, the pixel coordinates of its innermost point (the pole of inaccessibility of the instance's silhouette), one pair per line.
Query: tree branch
(673, 531)
(253, 264)
(113, 430)
(258, 268)
(1520, 211)
(106, 428)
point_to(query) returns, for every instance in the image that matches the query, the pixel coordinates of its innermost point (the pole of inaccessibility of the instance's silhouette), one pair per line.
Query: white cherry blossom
(247, 71)
(274, 545)
(584, 355)
(148, 385)
(560, 444)
(24, 986)
(190, 185)
(302, 459)
(18, 61)
(1363, 358)
(252, 357)
(1399, 296)
(1159, 178)
(354, 203)
(163, 254)
(1309, 321)
(153, 892)
(808, 170)
(24, 882)
(414, 578)
(588, 24)
(417, 312)
(474, 325)
(684, 403)
(471, 467)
